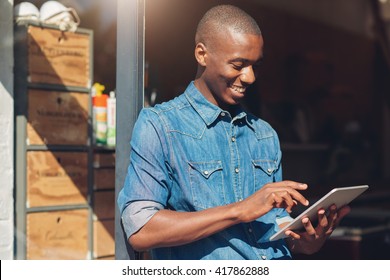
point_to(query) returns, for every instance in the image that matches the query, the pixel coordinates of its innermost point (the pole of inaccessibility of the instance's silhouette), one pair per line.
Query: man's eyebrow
(244, 60)
(239, 59)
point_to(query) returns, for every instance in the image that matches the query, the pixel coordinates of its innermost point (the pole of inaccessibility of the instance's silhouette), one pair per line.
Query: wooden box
(56, 178)
(104, 159)
(57, 235)
(104, 205)
(58, 57)
(104, 178)
(57, 118)
(104, 238)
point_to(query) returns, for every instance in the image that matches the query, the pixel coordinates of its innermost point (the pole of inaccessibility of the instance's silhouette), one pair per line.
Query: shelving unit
(104, 201)
(56, 203)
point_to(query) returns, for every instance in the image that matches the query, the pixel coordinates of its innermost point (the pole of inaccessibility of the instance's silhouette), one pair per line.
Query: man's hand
(313, 238)
(172, 228)
(284, 194)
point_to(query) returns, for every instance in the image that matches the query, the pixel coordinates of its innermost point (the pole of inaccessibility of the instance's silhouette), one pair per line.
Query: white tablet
(338, 196)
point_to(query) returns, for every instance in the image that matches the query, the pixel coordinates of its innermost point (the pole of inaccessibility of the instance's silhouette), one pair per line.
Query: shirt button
(269, 170)
(233, 139)
(237, 170)
(206, 172)
(222, 114)
(250, 230)
(263, 257)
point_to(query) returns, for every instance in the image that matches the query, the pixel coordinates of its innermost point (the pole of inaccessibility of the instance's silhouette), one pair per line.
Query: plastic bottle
(99, 104)
(111, 120)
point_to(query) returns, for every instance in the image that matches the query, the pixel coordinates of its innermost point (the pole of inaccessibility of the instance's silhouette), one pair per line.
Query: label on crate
(57, 118)
(56, 178)
(56, 57)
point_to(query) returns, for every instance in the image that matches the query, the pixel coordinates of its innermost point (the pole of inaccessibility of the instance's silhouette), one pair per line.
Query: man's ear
(201, 54)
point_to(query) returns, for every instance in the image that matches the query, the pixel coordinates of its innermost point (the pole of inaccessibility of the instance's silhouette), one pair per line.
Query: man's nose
(248, 75)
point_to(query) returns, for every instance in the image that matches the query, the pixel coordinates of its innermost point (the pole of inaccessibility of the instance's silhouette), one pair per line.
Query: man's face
(230, 67)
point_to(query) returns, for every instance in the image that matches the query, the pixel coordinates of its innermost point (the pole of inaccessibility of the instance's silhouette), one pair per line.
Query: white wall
(6, 131)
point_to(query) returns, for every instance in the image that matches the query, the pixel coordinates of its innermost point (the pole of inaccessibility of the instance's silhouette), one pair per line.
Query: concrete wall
(6, 131)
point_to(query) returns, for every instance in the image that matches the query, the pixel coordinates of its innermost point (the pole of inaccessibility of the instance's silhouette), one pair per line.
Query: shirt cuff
(137, 214)
(282, 220)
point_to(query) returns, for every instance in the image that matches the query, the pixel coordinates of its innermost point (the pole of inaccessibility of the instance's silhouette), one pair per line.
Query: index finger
(293, 189)
(291, 184)
(297, 196)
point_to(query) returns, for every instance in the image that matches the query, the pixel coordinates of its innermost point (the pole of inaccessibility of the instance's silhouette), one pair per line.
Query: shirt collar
(206, 110)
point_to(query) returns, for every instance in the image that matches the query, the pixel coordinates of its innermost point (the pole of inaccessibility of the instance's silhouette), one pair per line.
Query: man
(205, 178)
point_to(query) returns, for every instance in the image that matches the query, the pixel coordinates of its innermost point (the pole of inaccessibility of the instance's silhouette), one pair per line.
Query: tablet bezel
(338, 196)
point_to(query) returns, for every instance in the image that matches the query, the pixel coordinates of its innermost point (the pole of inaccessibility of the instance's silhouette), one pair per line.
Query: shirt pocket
(263, 172)
(206, 180)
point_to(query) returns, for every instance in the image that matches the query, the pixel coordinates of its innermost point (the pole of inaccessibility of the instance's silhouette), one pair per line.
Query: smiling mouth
(238, 89)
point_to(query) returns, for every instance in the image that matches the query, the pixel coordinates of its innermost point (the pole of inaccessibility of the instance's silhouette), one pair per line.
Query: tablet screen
(338, 196)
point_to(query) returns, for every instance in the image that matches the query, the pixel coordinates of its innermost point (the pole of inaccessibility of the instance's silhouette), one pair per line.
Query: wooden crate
(108, 258)
(57, 57)
(57, 235)
(104, 159)
(104, 205)
(104, 178)
(104, 238)
(56, 178)
(57, 118)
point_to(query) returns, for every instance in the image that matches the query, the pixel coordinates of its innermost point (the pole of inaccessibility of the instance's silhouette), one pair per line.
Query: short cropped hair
(222, 17)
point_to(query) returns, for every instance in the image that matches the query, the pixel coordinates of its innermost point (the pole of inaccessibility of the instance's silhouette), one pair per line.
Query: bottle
(99, 112)
(111, 120)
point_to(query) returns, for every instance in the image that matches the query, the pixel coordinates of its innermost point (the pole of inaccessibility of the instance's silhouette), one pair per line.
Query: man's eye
(237, 66)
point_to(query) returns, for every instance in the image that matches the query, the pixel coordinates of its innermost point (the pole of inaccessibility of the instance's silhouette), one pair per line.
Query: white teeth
(238, 89)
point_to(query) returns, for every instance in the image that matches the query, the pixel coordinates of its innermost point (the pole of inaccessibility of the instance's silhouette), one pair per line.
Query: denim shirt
(189, 155)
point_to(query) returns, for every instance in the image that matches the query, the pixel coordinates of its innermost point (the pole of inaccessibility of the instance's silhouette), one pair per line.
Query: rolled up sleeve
(137, 214)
